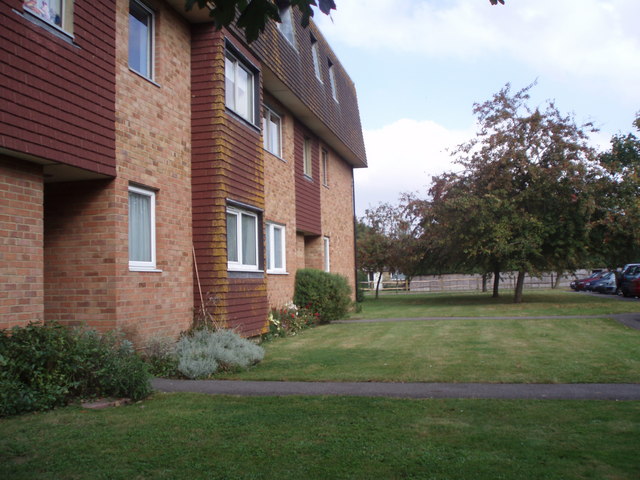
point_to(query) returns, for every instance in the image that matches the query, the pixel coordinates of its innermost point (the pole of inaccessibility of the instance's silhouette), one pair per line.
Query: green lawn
(192, 437)
(455, 350)
(475, 304)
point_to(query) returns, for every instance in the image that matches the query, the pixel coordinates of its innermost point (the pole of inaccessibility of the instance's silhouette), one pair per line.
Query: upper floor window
(141, 38)
(55, 12)
(239, 88)
(142, 229)
(315, 55)
(286, 25)
(272, 132)
(276, 262)
(325, 168)
(332, 80)
(242, 239)
(307, 165)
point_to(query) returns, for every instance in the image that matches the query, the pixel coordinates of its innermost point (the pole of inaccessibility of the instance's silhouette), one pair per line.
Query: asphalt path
(580, 391)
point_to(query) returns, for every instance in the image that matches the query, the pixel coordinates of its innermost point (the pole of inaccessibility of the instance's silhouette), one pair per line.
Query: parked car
(625, 284)
(580, 284)
(605, 284)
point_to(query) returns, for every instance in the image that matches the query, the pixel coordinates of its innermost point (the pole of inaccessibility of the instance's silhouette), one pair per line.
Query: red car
(580, 284)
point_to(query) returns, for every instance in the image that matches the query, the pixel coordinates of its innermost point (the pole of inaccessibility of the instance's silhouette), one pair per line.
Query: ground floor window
(242, 239)
(142, 229)
(276, 258)
(327, 258)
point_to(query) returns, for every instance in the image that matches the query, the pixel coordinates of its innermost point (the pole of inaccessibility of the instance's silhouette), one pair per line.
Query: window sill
(50, 27)
(142, 269)
(271, 272)
(144, 77)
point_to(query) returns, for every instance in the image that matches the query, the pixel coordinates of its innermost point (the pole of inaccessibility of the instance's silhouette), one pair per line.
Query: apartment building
(150, 165)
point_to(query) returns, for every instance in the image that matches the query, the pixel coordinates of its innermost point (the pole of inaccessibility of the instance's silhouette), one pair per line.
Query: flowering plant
(290, 319)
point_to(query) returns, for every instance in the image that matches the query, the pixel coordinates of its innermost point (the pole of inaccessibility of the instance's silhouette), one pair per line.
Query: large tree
(523, 200)
(252, 16)
(616, 227)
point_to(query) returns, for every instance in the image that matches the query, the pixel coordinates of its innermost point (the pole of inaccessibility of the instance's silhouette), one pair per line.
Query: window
(286, 25)
(239, 88)
(325, 168)
(306, 159)
(327, 259)
(271, 132)
(242, 239)
(55, 12)
(332, 80)
(142, 229)
(315, 54)
(276, 262)
(141, 39)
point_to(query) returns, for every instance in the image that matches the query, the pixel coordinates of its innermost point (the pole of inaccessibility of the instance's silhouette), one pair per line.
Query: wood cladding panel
(58, 96)
(308, 212)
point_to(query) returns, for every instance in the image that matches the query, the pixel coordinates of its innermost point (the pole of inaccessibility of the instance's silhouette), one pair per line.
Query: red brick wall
(57, 97)
(21, 262)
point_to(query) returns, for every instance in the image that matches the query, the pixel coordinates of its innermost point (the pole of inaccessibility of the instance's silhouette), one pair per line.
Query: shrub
(160, 355)
(289, 320)
(44, 366)
(203, 352)
(326, 294)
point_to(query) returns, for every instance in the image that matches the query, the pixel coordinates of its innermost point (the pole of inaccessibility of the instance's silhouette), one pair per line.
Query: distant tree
(252, 16)
(372, 248)
(524, 199)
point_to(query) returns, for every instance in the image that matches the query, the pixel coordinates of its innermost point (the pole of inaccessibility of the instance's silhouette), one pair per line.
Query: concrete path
(591, 391)
(595, 391)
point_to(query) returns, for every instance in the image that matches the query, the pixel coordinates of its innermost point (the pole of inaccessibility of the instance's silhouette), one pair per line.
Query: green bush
(44, 366)
(160, 355)
(326, 294)
(203, 352)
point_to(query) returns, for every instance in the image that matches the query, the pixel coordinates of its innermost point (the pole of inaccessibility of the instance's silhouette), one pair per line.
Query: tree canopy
(252, 16)
(524, 198)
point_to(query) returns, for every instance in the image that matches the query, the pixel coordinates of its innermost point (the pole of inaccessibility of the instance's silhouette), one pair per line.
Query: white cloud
(571, 40)
(402, 157)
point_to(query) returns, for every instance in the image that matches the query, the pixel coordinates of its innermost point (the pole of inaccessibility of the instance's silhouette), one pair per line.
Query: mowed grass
(480, 349)
(189, 436)
(456, 350)
(476, 304)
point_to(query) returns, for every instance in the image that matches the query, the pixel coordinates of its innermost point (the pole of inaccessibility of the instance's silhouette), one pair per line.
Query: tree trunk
(519, 287)
(556, 282)
(378, 285)
(484, 282)
(496, 282)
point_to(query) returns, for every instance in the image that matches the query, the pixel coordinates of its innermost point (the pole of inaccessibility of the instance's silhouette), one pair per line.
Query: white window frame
(332, 81)
(272, 248)
(267, 127)
(325, 167)
(240, 264)
(327, 253)
(286, 26)
(307, 158)
(40, 8)
(141, 265)
(231, 66)
(150, 43)
(315, 54)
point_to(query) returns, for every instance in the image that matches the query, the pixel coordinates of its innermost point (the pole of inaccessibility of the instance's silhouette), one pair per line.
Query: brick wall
(21, 236)
(79, 240)
(279, 189)
(338, 217)
(153, 149)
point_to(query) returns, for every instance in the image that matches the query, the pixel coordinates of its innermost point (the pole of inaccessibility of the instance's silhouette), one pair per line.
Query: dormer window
(332, 80)
(315, 55)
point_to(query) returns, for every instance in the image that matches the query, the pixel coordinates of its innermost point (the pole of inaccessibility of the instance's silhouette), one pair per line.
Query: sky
(420, 65)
